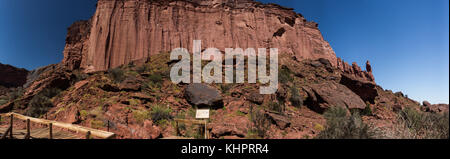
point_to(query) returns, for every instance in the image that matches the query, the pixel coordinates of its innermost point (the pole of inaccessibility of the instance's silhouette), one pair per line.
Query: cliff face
(11, 76)
(122, 31)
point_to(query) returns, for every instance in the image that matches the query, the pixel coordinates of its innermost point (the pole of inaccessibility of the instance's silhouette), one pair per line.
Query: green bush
(296, 99)
(117, 74)
(159, 113)
(367, 111)
(424, 124)
(41, 103)
(343, 126)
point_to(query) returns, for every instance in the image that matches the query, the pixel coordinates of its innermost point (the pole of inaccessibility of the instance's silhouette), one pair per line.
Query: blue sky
(406, 41)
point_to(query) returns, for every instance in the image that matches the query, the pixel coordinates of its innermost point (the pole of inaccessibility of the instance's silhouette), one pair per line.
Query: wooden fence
(76, 128)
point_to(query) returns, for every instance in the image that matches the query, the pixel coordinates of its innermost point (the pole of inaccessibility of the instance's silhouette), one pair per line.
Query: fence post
(50, 126)
(176, 126)
(28, 135)
(11, 125)
(108, 126)
(206, 136)
(88, 135)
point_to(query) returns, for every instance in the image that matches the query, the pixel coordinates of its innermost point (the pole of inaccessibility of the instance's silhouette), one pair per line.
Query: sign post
(203, 114)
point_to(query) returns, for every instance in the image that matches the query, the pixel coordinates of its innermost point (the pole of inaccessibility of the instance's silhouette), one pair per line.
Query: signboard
(202, 114)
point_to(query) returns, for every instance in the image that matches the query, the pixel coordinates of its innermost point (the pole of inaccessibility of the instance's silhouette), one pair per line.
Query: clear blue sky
(407, 41)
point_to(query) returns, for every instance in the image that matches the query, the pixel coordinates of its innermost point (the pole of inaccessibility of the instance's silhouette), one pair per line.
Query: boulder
(148, 131)
(130, 85)
(202, 95)
(110, 88)
(426, 103)
(256, 97)
(232, 126)
(316, 64)
(280, 121)
(438, 108)
(142, 96)
(366, 90)
(330, 94)
(325, 62)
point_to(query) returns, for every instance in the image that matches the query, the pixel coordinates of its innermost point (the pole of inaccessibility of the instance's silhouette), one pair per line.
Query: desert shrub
(117, 74)
(159, 113)
(141, 115)
(413, 119)
(3, 100)
(131, 65)
(367, 111)
(160, 64)
(318, 127)
(224, 88)
(153, 82)
(142, 69)
(155, 78)
(343, 126)
(15, 94)
(131, 73)
(275, 106)
(424, 124)
(285, 75)
(84, 113)
(260, 124)
(41, 102)
(134, 102)
(77, 76)
(97, 124)
(295, 98)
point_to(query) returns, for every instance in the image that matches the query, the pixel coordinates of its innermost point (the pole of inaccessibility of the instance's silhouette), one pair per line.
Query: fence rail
(76, 128)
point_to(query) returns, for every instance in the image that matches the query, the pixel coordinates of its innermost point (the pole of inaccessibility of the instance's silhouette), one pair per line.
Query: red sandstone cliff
(124, 31)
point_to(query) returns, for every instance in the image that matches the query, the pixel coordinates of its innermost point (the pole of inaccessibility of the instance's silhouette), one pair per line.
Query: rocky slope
(139, 101)
(115, 74)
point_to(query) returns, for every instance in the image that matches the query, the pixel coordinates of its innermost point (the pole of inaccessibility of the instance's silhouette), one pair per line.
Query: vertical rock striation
(122, 31)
